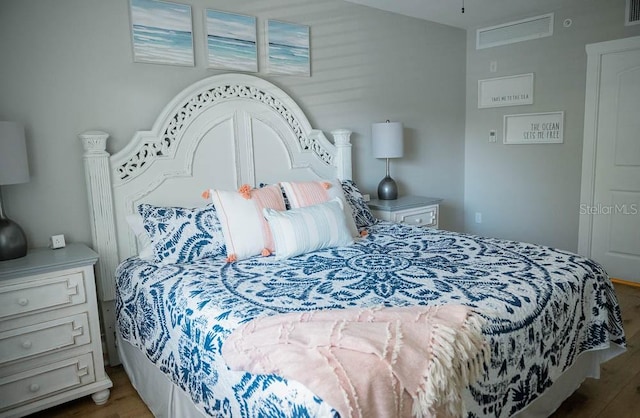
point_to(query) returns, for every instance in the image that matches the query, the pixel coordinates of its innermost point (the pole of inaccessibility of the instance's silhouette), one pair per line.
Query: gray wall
(531, 192)
(67, 67)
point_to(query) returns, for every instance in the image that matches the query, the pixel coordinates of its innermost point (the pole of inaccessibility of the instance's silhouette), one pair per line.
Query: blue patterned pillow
(361, 212)
(181, 235)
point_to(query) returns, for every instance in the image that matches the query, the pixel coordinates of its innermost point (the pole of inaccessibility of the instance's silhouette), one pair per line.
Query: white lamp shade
(386, 139)
(14, 167)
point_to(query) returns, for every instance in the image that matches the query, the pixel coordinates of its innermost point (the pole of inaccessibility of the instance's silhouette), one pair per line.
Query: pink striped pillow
(307, 193)
(246, 231)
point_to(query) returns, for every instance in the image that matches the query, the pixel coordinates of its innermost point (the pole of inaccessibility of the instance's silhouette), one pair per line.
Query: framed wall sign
(534, 128)
(513, 90)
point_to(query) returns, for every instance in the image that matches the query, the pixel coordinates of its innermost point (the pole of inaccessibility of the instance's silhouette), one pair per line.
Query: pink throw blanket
(375, 362)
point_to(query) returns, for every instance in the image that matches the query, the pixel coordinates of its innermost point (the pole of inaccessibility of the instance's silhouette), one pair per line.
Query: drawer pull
(23, 301)
(34, 387)
(26, 344)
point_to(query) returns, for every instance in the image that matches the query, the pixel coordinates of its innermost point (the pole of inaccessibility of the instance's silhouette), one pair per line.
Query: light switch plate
(57, 241)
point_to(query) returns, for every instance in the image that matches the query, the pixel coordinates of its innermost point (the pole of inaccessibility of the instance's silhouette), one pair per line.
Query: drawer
(424, 216)
(46, 293)
(46, 380)
(44, 337)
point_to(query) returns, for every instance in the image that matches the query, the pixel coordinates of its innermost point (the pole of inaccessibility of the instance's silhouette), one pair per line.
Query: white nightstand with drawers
(412, 210)
(50, 347)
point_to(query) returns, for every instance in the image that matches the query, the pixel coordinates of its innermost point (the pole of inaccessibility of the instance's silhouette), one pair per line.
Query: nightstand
(50, 346)
(412, 210)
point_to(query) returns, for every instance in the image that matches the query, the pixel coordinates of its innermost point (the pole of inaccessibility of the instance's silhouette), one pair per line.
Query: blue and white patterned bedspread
(544, 307)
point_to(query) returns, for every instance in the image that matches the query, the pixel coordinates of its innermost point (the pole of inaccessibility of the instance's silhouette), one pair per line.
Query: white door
(614, 209)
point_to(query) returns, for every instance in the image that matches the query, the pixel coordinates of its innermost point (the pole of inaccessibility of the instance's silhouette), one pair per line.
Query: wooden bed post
(342, 142)
(103, 232)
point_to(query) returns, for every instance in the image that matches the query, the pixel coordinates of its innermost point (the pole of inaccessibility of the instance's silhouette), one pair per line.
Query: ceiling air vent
(518, 31)
(632, 14)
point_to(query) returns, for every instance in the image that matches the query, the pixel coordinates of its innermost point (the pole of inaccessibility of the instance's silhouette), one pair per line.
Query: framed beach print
(288, 48)
(231, 41)
(162, 32)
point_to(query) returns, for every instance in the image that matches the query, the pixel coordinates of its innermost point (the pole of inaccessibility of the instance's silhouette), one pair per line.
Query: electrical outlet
(57, 241)
(492, 135)
(366, 197)
(493, 66)
(478, 217)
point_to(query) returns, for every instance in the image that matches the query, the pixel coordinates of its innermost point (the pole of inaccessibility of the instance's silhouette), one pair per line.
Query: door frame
(589, 146)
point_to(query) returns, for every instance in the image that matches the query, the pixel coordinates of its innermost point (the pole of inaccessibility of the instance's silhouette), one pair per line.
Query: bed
(551, 317)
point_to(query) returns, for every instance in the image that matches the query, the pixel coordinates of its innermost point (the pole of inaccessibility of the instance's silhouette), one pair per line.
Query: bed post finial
(103, 232)
(94, 142)
(342, 142)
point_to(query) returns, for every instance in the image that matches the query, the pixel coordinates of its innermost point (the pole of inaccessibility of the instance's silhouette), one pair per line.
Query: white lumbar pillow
(302, 230)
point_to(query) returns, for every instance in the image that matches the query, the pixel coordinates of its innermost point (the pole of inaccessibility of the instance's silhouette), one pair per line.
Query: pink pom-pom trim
(231, 258)
(245, 191)
(364, 233)
(326, 185)
(206, 194)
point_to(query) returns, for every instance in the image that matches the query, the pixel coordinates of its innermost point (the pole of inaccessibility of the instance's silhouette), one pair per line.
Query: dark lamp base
(13, 242)
(387, 189)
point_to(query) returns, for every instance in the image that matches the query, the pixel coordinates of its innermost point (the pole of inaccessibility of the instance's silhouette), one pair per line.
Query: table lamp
(14, 169)
(387, 143)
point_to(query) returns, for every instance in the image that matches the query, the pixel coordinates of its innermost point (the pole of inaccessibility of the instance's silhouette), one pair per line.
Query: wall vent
(518, 31)
(632, 13)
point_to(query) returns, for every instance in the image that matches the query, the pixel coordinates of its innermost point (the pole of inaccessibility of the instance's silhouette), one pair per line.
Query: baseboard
(625, 282)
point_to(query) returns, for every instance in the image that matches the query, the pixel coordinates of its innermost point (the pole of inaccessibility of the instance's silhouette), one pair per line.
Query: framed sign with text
(514, 90)
(534, 128)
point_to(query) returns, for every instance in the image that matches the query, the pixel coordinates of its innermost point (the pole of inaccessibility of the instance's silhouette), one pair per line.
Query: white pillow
(303, 194)
(145, 249)
(302, 230)
(246, 232)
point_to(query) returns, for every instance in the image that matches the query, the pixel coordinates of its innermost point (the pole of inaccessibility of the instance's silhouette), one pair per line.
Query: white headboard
(221, 132)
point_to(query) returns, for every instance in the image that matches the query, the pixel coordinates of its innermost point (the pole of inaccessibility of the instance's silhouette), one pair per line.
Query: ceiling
(476, 12)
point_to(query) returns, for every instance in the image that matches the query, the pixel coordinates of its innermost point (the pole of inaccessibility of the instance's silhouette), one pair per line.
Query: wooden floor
(124, 402)
(615, 394)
